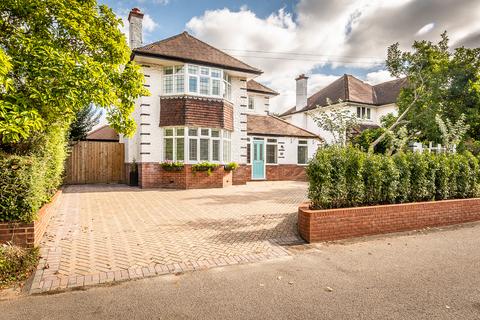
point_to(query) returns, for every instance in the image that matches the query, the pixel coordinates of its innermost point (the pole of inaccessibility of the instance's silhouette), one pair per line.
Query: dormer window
(196, 80)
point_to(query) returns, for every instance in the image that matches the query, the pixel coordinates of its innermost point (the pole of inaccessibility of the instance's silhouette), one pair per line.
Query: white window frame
(270, 142)
(174, 138)
(302, 143)
(364, 113)
(251, 102)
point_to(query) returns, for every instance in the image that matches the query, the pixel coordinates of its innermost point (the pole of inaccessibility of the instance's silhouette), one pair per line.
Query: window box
(230, 166)
(205, 166)
(172, 165)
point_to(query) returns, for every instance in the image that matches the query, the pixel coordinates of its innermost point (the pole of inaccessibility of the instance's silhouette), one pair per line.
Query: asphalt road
(426, 275)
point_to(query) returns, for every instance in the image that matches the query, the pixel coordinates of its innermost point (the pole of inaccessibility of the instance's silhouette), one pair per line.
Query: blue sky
(321, 38)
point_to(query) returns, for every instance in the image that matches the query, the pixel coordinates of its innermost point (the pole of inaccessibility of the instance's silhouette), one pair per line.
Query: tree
(64, 55)
(338, 121)
(452, 133)
(84, 121)
(440, 81)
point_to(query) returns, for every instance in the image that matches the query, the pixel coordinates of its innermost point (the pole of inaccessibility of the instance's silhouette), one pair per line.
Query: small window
(215, 133)
(193, 132)
(302, 152)
(204, 132)
(363, 113)
(251, 103)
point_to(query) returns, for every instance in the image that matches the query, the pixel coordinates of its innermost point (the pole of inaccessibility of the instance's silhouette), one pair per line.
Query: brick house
(205, 106)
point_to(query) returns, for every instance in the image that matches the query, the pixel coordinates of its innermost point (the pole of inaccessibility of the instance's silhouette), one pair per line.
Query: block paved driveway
(103, 233)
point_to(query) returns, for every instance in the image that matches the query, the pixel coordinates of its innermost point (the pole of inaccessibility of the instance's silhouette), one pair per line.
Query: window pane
(302, 154)
(192, 132)
(204, 85)
(251, 103)
(215, 150)
(271, 140)
(168, 84)
(192, 151)
(248, 153)
(179, 69)
(359, 112)
(180, 132)
(168, 70)
(204, 149)
(271, 153)
(215, 133)
(204, 132)
(368, 113)
(204, 71)
(193, 84)
(180, 151)
(168, 149)
(169, 132)
(179, 84)
(192, 69)
(215, 87)
(227, 150)
(216, 73)
(302, 141)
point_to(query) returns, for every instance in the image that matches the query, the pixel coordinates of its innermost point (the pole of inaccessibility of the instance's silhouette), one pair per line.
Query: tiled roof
(186, 48)
(103, 133)
(273, 126)
(350, 89)
(254, 86)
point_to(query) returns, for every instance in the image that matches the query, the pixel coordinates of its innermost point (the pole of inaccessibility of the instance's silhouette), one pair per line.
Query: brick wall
(152, 175)
(28, 234)
(240, 175)
(282, 172)
(333, 224)
(196, 112)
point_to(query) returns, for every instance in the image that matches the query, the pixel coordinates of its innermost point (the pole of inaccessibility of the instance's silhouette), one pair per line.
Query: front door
(258, 163)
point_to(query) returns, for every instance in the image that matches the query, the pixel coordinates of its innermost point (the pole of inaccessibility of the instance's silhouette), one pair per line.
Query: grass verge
(16, 264)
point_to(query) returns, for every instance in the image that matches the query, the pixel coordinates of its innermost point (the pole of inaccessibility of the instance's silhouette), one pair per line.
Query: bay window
(197, 144)
(195, 79)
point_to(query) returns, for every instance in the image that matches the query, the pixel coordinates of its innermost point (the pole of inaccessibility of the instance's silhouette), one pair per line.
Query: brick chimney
(135, 18)
(301, 92)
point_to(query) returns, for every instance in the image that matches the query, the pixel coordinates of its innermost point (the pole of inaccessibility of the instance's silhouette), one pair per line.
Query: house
(205, 106)
(103, 133)
(369, 103)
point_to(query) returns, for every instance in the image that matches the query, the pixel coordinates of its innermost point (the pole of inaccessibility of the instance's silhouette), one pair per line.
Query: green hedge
(29, 181)
(348, 177)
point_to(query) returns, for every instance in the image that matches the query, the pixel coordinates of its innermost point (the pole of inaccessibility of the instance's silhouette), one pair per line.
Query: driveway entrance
(106, 233)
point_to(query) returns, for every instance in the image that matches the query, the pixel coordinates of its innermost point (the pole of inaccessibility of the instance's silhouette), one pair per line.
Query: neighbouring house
(369, 103)
(104, 133)
(205, 107)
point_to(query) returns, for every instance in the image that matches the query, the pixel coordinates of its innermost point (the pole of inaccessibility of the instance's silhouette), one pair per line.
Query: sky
(323, 39)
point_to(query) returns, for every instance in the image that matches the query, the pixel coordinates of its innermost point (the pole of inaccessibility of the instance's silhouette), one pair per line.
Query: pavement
(106, 233)
(431, 274)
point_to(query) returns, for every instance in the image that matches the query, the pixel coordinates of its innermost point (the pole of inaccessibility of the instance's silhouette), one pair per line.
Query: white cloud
(340, 33)
(378, 77)
(425, 29)
(148, 24)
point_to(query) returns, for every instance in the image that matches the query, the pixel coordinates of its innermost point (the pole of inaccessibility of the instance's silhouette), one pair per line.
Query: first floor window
(204, 85)
(204, 149)
(179, 84)
(251, 103)
(271, 151)
(168, 84)
(302, 152)
(363, 113)
(193, 150)
(215, 87)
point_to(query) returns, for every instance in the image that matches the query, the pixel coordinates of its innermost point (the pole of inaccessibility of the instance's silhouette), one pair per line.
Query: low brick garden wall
(28, 235)
(334, 224)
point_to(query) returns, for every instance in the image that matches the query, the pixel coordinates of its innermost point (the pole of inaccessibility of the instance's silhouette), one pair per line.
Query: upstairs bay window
(197, 80)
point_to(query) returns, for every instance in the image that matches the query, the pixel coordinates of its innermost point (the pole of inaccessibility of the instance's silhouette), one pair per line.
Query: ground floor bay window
(193, 145)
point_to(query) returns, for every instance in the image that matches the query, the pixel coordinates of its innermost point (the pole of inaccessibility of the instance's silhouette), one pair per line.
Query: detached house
(205, 107)
(369, 103)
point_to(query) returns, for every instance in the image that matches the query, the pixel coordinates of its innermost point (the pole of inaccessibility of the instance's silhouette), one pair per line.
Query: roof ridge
(347, 91)
(185, 33)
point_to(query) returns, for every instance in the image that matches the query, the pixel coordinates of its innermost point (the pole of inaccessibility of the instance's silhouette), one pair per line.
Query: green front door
(258, 163)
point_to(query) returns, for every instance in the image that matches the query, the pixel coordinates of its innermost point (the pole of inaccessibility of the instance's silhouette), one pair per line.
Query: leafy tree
(84, 121)
(338, 121)
(440, 81)
(63, 55)
(451, 133)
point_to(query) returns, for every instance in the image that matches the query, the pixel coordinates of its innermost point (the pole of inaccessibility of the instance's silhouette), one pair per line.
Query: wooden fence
(95, 162)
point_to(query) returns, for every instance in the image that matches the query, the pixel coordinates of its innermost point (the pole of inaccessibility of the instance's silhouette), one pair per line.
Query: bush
(16, 264)
(347, 177)
(205, 166)
(29, 181)
(172, 165)
(231, 166)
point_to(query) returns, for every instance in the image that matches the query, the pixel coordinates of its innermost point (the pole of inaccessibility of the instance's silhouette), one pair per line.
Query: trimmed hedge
(348, 177)
(29, 181)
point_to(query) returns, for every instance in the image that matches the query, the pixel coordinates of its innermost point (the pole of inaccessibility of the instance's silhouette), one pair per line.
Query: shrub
(342, 177)
(230, 166)
(16, 264)
(29, 181)
(172, 165)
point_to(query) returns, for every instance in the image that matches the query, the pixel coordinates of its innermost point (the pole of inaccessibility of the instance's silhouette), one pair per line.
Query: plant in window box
(230, 166)
(172, 165)
(205, 166)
